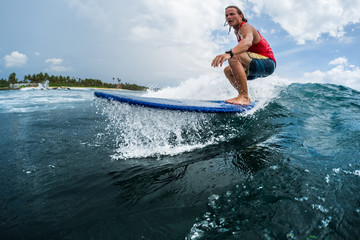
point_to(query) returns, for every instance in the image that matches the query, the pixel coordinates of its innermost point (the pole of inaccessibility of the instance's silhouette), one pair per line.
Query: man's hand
(220, 59)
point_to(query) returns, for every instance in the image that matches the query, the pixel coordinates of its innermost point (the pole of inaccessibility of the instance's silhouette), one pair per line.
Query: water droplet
(290, 235)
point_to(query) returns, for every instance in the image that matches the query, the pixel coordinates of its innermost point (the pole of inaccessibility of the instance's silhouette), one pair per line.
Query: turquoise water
(76, 167)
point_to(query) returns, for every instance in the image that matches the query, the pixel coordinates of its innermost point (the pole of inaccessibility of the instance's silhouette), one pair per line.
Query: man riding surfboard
(251, 58)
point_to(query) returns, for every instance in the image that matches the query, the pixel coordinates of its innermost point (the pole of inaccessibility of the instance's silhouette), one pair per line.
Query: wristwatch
(230, 52)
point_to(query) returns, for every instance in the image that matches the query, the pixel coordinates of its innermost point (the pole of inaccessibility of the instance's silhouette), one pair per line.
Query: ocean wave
(142, 132)
(34, 100)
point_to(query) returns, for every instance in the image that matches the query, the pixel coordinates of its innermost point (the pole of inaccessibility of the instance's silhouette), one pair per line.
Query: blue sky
(165, 42)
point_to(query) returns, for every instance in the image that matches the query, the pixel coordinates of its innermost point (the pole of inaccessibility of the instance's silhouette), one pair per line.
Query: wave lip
(144, 132)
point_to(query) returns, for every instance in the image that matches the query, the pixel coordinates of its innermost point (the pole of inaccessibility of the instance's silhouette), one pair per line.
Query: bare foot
(239, 100)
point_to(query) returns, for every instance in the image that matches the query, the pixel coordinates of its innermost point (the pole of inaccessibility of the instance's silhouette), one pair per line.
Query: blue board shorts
(260, 66)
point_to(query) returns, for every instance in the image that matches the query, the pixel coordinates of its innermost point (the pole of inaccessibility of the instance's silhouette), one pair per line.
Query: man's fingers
(215, 62)
(222, 61)
(218, 60)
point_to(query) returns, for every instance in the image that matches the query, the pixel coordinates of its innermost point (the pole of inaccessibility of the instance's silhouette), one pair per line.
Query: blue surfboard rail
(211, 106)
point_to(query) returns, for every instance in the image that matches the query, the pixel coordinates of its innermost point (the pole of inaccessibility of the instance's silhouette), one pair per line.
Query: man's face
(232, 17)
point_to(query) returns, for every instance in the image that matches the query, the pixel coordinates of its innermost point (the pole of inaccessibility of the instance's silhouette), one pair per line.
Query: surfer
(251, 58)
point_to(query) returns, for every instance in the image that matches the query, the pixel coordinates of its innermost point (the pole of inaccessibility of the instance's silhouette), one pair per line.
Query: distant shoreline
(43, 80)
(97, 88)
(66, 87)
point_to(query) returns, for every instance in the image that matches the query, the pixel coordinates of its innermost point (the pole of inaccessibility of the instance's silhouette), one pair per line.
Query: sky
(162, 43)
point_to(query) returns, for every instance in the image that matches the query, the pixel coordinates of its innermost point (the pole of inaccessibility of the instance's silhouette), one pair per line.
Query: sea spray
(217, 87)
(143, 132)
(212, 86)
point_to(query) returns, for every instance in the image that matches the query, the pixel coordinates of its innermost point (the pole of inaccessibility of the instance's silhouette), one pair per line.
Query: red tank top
(262, 47)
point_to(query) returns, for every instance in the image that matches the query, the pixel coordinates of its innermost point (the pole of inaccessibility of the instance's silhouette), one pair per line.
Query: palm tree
(12, 78)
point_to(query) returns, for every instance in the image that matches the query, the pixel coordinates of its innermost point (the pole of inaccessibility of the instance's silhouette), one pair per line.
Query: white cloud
(15, 59)
(54, 60)
(311, 19)
(169, 39)
(60, 69)
(339, 61)
(55, 65)
(342, 74)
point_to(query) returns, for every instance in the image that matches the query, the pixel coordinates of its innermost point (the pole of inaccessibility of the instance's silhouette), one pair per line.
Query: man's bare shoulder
(247, 28)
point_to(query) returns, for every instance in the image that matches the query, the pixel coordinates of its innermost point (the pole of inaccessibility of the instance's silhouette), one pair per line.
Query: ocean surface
(76, 167)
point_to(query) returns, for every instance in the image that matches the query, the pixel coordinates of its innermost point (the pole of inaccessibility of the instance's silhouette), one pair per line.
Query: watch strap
(230, 52)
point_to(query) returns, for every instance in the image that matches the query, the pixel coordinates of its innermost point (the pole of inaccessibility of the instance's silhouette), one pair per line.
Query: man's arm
(242, 46)
(246, 42)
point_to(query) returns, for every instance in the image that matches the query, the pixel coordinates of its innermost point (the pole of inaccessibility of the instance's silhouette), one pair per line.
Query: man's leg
(237, 77)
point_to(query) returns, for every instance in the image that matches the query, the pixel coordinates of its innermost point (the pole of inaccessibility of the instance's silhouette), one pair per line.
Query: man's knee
(242, 58)
(227, 71)
(233, 60)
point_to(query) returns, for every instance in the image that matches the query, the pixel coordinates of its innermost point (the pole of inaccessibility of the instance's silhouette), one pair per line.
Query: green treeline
(61, 81)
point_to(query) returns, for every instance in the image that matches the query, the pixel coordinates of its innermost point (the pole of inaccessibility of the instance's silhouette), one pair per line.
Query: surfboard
(205, 106)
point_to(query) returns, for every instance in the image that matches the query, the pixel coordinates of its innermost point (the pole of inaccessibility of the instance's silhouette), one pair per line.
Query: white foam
(32, 100)
(327, 178)
(144, 132)
(212, 86)
(215, 86)
(320, 208)
(325, 222)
